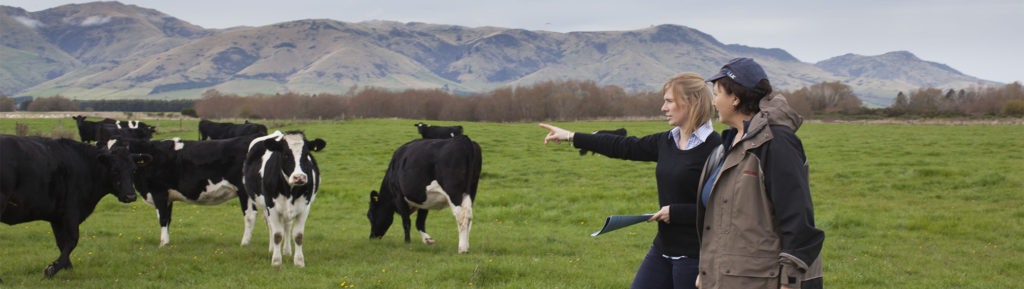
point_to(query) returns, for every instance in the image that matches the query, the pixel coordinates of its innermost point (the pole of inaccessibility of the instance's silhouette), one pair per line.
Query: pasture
(901, 206)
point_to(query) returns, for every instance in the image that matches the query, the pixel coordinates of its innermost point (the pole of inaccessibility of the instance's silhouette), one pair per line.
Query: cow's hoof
(50, 271)
(428, 241)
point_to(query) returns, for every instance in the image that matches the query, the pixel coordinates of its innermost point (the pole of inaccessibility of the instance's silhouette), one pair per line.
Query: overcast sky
(981, 38)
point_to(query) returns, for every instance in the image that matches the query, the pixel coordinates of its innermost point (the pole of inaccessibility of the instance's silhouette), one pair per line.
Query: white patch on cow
(464, 219)
(111, 143)
(437, 198)
(276, 135)
(149, 200)
(118, 124)
(250, 222)
(178, 145)
(296, 142)
(213, 194)
(133, 125)
(165, 237)
(263, 164)
(426, 238)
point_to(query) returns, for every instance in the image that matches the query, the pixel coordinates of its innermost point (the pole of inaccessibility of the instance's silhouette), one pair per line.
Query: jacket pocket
(748, 272)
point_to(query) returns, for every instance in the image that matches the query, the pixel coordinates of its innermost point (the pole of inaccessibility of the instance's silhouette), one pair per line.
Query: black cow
(110, 129)
(86, 129)
(195, 172)
(222, 130)
(621, 132)
(436, 132)
(60, 181)
(428, 174)
(282, 178)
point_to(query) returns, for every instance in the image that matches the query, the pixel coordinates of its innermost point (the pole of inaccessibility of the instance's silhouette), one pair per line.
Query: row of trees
(61, 103)
(563, 100)
(551, 100)
(984, 100)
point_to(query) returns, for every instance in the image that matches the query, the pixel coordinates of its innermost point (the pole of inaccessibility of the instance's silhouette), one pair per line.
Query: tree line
(564, 100)
(61, 103)
(556, 100)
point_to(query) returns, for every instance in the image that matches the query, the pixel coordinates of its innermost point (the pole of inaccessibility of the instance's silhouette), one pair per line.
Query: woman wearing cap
(755, 203)
(680, 154)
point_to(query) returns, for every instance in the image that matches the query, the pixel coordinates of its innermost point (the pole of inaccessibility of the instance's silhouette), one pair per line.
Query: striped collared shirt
(696, 138)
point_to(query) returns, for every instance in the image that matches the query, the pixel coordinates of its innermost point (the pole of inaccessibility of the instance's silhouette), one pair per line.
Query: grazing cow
(109, 129)
(621, 131)
(428, 174)
(219, 130)
(282, 178)
(60, 181)
(429, 131)
(195, 172)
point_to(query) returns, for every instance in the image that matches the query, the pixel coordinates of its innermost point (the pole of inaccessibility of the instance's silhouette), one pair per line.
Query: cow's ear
(272, 145)
(141, 159)
(374, 196)
(316, 145)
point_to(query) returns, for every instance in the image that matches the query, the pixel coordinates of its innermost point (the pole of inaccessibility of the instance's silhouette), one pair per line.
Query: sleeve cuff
(793, 270)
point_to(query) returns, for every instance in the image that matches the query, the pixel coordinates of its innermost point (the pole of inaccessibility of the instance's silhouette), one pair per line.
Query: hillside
(108, 50)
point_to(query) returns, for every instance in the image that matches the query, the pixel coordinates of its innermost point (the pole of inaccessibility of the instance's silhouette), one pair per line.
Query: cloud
(29, 22)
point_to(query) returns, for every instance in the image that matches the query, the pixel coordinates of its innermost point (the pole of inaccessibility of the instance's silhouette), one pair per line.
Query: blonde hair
(691, 88)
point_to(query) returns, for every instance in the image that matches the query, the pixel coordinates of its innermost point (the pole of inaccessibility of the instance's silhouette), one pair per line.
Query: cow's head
(120, 165)
(381, 215)
(295, 160)
(78, 118)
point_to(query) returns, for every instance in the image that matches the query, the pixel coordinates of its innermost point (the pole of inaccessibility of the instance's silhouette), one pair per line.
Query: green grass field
(901, 206)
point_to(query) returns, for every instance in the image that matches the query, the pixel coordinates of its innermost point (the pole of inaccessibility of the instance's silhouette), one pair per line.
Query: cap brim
(715, 77)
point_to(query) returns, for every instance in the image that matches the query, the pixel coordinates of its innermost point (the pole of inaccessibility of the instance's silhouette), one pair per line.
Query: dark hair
(750, 99)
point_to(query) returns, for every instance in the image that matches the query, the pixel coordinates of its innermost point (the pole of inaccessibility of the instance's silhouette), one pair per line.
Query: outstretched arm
(556, 134)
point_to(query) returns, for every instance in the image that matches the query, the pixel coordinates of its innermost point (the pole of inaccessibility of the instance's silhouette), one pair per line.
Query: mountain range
(109, 50)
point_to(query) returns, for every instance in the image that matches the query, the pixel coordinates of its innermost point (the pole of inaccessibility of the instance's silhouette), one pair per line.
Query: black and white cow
(109, 129)
(219, 130)
(195, 172)
(60, 181)
(428, 174)
(621, 132)
(282, 178)
(429, 131)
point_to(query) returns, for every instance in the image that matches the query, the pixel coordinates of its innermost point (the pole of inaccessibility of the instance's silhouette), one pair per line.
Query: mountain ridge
(109, 50)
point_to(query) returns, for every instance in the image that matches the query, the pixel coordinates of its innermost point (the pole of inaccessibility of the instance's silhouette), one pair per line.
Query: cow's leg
(406, 222)
(67, 239)
(276, 228)
(163, 215)
(288, 220)
(464, 219)
(249, 213)
(163, 211)
(421, 225)
(298, 233)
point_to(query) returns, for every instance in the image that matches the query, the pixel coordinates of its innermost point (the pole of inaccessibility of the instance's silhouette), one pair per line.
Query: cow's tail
(473, 173)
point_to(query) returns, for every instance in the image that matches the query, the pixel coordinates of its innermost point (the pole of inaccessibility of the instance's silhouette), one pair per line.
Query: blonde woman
(680, 153)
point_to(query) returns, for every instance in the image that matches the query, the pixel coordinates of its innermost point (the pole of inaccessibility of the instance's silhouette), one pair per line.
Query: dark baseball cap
(743, 70)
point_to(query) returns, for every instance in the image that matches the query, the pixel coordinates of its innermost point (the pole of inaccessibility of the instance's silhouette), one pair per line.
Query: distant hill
(108, 50)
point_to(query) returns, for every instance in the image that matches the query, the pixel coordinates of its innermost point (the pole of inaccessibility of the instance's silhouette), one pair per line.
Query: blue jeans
(658, 271)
